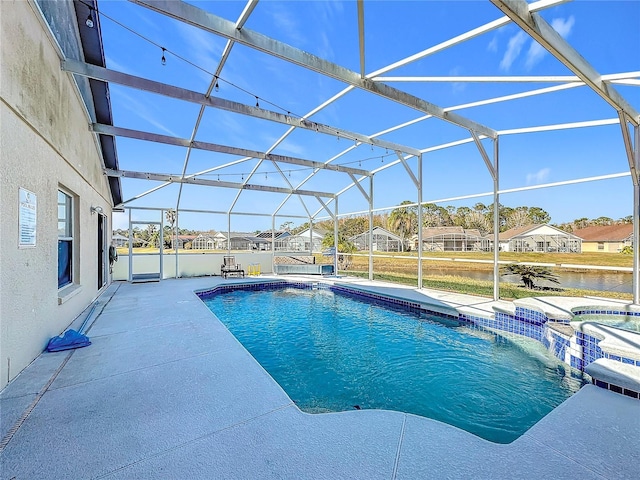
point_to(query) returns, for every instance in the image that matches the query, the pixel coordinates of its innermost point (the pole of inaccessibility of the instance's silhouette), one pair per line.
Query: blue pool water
(331, 352)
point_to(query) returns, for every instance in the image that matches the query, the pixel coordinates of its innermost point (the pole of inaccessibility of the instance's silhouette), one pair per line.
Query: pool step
(615, 376)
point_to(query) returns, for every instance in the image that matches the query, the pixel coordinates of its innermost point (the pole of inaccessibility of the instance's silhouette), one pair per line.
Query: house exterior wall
(44, 145)
(608, 247)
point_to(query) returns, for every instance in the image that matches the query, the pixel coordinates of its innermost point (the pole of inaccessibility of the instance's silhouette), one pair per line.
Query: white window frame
(68, 231)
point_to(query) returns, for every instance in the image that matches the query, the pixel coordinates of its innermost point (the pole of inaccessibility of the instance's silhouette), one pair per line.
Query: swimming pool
(332, 352)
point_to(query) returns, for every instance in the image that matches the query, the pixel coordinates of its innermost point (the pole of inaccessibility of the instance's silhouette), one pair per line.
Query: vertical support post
(496, 222)
(130, 248)
(310, 236)
(273, 244)
(229, 233)
(335, 238)
(371, 227)
(161, 245)
(636, 220)
(420, 221)
(175, 240)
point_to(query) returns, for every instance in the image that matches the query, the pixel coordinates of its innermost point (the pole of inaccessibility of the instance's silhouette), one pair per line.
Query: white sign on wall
(27, 218)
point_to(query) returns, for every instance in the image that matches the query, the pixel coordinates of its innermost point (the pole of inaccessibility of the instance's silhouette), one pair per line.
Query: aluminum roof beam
(361, 36)
(545, 35)
(197, 17)
(627, 78)
(179, 93)
(214, 147)
(161, 177)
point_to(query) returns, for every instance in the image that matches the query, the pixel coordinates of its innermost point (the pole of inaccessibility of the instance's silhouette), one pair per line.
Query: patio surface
(165, 391)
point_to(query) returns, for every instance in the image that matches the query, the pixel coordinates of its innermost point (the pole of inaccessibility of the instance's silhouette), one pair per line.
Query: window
(65, 239)
(600, 245)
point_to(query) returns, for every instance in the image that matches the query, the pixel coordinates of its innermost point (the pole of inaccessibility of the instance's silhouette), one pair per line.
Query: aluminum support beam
(545, 35)
(357, 184)
(636, 222)
(228, 233)
(419, 184)
(130, 247)
(335, 238)
(415, 181)
(361, 36)
(163, 177)
(496, 220)
(197, 17)
(371, 227)
(176, 232)
(628, 145)
(214, 147)
(273, 243)
(484, 155)
(324, 205)
(183, 94)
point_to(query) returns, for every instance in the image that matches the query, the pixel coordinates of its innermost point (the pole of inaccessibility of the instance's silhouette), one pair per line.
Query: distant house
(280, 237)
(204, 241)
(301, 242)
(383, 241)
(119, 240)
(122, 241)
(451, 239)
(246, 241)
(606, 238)
(182, 241)
(539, 238)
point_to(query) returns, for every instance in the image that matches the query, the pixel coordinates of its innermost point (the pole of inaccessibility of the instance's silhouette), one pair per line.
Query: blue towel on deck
(70, 339)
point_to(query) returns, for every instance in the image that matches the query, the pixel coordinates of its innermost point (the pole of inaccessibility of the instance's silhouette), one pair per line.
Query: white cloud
(493, 45)
(204, 49)
(292, 148)
(539, 177)
(534, 55)
(325, 50)
(142, 110)
(286, 23)
(537, 52)
(563, 27)
(513, 50)
(114, 65)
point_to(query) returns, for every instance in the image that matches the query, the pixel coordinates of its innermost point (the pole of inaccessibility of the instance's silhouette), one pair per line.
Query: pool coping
(241, 423)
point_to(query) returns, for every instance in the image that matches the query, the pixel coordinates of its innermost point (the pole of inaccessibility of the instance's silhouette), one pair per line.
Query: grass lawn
(467, 260)
(483, 288)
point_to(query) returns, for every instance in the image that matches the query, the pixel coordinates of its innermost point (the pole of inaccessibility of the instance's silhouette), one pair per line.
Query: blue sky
(606, 34)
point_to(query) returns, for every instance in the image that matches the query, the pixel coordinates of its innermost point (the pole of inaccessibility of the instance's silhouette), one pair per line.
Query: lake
(601, 281)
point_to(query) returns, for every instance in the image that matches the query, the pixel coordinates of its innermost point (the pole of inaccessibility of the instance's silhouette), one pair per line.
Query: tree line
(403, 221)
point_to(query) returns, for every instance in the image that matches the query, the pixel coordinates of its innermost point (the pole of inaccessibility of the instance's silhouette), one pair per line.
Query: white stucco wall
(189, 264)
(44, 144)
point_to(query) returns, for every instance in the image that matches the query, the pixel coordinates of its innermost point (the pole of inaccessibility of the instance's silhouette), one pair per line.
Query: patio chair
(230, 266)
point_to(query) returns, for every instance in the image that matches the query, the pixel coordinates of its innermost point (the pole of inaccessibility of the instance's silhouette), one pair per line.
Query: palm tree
(403, 220)
(344, 246)
(170, 215)
(530, 272)
(152, 235)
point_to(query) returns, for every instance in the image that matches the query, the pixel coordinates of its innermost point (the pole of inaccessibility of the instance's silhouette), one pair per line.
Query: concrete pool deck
(165, 391)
